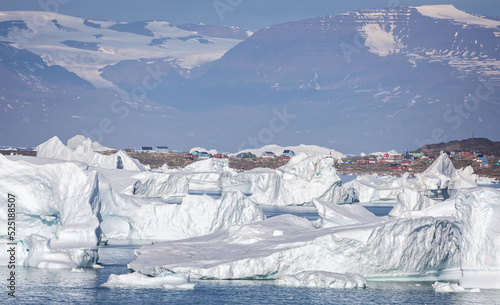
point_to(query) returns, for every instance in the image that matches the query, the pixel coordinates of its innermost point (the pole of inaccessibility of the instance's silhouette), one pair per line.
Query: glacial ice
(301, 180)
(287, 245)
(439, 178)
(333, 215)
(368, 188)
(58, 213)
(63, 207)
(410, 200)
(451, 287)
(478, 222)
(81, 149)
(322, 279)
(136, 280)
(210, 165)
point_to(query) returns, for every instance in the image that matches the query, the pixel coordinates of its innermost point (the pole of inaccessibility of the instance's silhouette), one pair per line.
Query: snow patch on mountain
(379, 41)
(450, 12)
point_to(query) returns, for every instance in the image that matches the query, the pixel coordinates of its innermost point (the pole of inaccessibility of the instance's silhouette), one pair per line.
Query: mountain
(85, 46)
(360, 81)
(480, 145)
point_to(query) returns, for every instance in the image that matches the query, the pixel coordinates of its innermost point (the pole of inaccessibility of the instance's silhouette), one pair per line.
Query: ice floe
(136, 280)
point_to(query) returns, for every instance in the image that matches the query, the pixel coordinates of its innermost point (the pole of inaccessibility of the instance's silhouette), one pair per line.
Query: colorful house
(288, 153)
(203, 154)
(161, 149)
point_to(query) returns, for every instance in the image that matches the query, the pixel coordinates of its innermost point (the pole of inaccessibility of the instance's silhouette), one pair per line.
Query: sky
(247, 14)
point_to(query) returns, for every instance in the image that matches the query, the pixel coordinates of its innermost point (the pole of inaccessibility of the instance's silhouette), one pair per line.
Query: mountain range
(365, 80)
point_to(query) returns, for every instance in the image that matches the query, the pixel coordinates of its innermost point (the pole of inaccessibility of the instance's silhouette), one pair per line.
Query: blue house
(481, 158)
(288, 153)
(203, 154)
(161, 149)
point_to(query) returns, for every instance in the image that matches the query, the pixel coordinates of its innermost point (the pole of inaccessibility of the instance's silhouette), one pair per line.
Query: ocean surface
(50, 286)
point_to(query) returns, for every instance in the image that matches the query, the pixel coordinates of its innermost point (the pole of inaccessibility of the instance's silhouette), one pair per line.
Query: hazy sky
(248, 14)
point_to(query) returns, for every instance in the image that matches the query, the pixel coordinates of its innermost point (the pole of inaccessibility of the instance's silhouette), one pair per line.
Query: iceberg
(132, 217)
(333, 215)
(285, 245)
(81, 150)
(451, 287)
(410, 200)
(210, 165)
(321, 279)
(57, 213)
(438, 180)
(164, 186)
(301, 180)
(369, 188)
(137, 280)
(442, 175)
(478, 222)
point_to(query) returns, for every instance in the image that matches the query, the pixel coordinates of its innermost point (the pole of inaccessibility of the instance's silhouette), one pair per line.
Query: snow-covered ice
(81, 149)
(301, 180)
(439, 178)
(136, 280)
(478, 221)
(333, 215)
(58, 213)
(287, 245)
(451, 287)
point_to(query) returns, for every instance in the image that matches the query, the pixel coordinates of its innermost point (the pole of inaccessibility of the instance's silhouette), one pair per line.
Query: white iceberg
(165, 186)
(165, 280)
(369, 188)
(438, 180)
(322, 279)
(442, 175)
(300, 181)
(451, 287)
(410, 200)
(210, 165)
(57, 213)
(82, 151)
(409, 249)
(333, 215)
(478, 222)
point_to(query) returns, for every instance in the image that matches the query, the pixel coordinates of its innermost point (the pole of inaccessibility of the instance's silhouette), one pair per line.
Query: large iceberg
(126, 216)
(478, 222)
(81, 149)
(286, 245)
(57, 213)
(301, 180)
